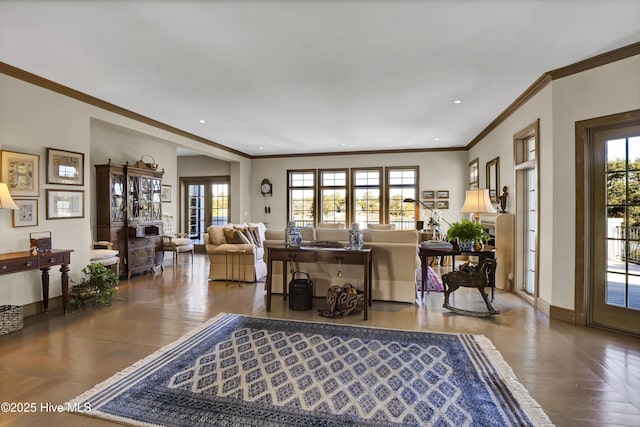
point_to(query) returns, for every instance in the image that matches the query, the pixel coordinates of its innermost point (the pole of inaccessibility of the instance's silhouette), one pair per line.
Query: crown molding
(546, 78)
(36, 80)
(361, 152)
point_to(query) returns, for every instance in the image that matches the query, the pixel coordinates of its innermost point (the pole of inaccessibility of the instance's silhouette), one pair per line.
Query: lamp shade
(6, 202)
(477, 202)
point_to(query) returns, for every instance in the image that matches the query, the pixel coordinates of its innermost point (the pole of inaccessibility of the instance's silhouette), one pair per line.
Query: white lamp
(477, 202)
(6, 202)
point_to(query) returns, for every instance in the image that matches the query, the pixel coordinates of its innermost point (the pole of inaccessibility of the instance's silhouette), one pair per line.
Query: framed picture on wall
(474, 177)
(428, 194)
(63, 204)
(442, 204)
(431, 204)
(443, 194)
(65, 167)
(166, 193)
(27, 213)
(21, 172)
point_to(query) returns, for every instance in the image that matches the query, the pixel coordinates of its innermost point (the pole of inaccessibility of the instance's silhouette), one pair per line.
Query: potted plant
(97, 281)
(466, 233)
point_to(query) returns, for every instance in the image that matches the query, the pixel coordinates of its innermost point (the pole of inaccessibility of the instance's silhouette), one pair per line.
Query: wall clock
(266, 187)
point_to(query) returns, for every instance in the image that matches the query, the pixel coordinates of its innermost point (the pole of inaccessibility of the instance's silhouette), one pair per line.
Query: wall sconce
(6, 202)
(477, 202)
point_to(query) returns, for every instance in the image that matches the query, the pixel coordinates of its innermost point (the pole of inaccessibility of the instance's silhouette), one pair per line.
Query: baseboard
(562, 314)
(36, 307)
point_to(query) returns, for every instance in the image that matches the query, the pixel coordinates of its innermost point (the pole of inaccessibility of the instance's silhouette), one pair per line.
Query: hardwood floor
(580, 376)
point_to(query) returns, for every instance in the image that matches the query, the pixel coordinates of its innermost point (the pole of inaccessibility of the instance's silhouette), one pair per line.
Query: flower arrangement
(434, 218)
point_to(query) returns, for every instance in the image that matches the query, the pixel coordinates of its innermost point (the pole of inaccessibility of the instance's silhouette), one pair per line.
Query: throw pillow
(247, 233)
(255, 233)
(216, 236)
(233, 237)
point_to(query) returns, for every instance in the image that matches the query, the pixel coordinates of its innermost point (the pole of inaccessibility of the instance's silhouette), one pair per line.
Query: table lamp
(6, 202)
(477, 202)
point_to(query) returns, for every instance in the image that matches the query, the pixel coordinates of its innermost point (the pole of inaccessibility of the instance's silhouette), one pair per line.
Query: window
(358, 199)
(366, 192)
(402, 183)
(334, 206)
(525, 145)
(302, 200)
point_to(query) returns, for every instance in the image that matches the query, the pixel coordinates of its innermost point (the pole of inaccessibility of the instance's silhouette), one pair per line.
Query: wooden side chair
(102, 252)
(175, 242)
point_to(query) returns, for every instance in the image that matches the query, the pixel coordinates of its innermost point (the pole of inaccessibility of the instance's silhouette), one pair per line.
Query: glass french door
(616, 225)
(206, 203)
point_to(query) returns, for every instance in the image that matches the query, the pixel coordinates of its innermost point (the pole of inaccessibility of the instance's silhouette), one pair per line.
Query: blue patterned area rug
(244, 371)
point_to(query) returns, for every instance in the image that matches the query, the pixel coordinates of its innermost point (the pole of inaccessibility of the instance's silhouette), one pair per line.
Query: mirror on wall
(493, 178)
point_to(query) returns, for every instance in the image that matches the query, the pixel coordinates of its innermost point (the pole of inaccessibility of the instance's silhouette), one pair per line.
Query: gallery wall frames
(65, 167)
(63, 204)
(27, 213)
(21, 172)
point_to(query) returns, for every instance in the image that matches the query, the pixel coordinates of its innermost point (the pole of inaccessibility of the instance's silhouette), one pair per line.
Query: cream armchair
(174, 242)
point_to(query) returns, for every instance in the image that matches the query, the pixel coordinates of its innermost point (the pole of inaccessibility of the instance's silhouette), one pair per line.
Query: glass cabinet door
(145, 199)
(117, 197)
(156, 198)
(133, 198)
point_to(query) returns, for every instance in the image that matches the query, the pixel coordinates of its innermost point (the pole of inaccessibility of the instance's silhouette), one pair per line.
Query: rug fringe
(529, 404)
(119, 375)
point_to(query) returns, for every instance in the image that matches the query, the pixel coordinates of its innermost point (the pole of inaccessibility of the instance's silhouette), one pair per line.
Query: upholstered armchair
(102, 252)
(175, 242)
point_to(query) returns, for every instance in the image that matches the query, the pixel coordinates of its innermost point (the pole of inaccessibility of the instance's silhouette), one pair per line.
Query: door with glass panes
(616, 229)
(206, 203)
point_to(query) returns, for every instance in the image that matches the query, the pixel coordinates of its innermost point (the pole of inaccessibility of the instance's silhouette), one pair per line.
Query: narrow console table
(314, 254)
(425, 253)
(15, 262)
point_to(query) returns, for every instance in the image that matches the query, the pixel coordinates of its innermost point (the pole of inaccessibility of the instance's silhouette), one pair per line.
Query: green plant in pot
(466, 233)
(97, 281)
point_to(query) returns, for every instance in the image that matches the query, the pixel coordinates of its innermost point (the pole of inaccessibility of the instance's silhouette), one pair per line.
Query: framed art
(21, 172)
(442, 204)
(65, 167)
(430, 204)
(493, 178)
(428, 194)
(62, 204)
(166, 194)
(443, 194)
(27, 213)
(474, 177)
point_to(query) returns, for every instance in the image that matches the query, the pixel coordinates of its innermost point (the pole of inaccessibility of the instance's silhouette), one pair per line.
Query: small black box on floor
(300, 293)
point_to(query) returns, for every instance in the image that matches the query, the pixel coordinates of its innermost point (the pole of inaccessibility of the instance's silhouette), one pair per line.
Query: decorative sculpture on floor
(341, 301)
(469, 276)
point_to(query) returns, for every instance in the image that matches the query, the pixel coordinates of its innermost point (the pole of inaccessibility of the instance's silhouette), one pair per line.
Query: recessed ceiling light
(260, 148)
(202, 121)
(343, 144)
(436, 139)
(458, 101)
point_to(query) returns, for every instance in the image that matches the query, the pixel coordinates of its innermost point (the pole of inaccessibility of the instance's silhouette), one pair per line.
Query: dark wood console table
(15, 262)
(319, 255)
(425, 253)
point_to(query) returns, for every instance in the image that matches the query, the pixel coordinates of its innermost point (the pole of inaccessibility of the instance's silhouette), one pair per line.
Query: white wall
(33, 118)
(439, 170)
(605, 90)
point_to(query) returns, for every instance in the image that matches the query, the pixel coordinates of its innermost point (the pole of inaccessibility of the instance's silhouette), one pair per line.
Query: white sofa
(218, 240)
(394, 260)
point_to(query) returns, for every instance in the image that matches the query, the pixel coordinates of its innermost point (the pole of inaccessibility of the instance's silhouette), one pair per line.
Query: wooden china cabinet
(129, 214)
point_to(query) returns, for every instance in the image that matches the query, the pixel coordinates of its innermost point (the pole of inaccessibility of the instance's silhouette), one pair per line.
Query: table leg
(423, 263)
(64, 269)
(268, 283)
(367, 293)
(45, 288)
(284, 280)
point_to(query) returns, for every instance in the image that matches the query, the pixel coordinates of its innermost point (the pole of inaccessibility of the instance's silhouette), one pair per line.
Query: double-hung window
(334, 201)
(301, 201)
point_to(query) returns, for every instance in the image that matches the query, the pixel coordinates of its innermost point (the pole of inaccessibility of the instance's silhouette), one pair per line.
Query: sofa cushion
(332, 234)
(181, 241)
(391, 236)
(216, 235)
(97, 254)
(381, 226)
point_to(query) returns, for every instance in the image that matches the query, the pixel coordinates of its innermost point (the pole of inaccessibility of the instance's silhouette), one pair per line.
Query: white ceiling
(312, 76)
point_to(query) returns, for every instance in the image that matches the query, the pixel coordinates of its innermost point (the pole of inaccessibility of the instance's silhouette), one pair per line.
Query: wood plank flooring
(580, 376)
